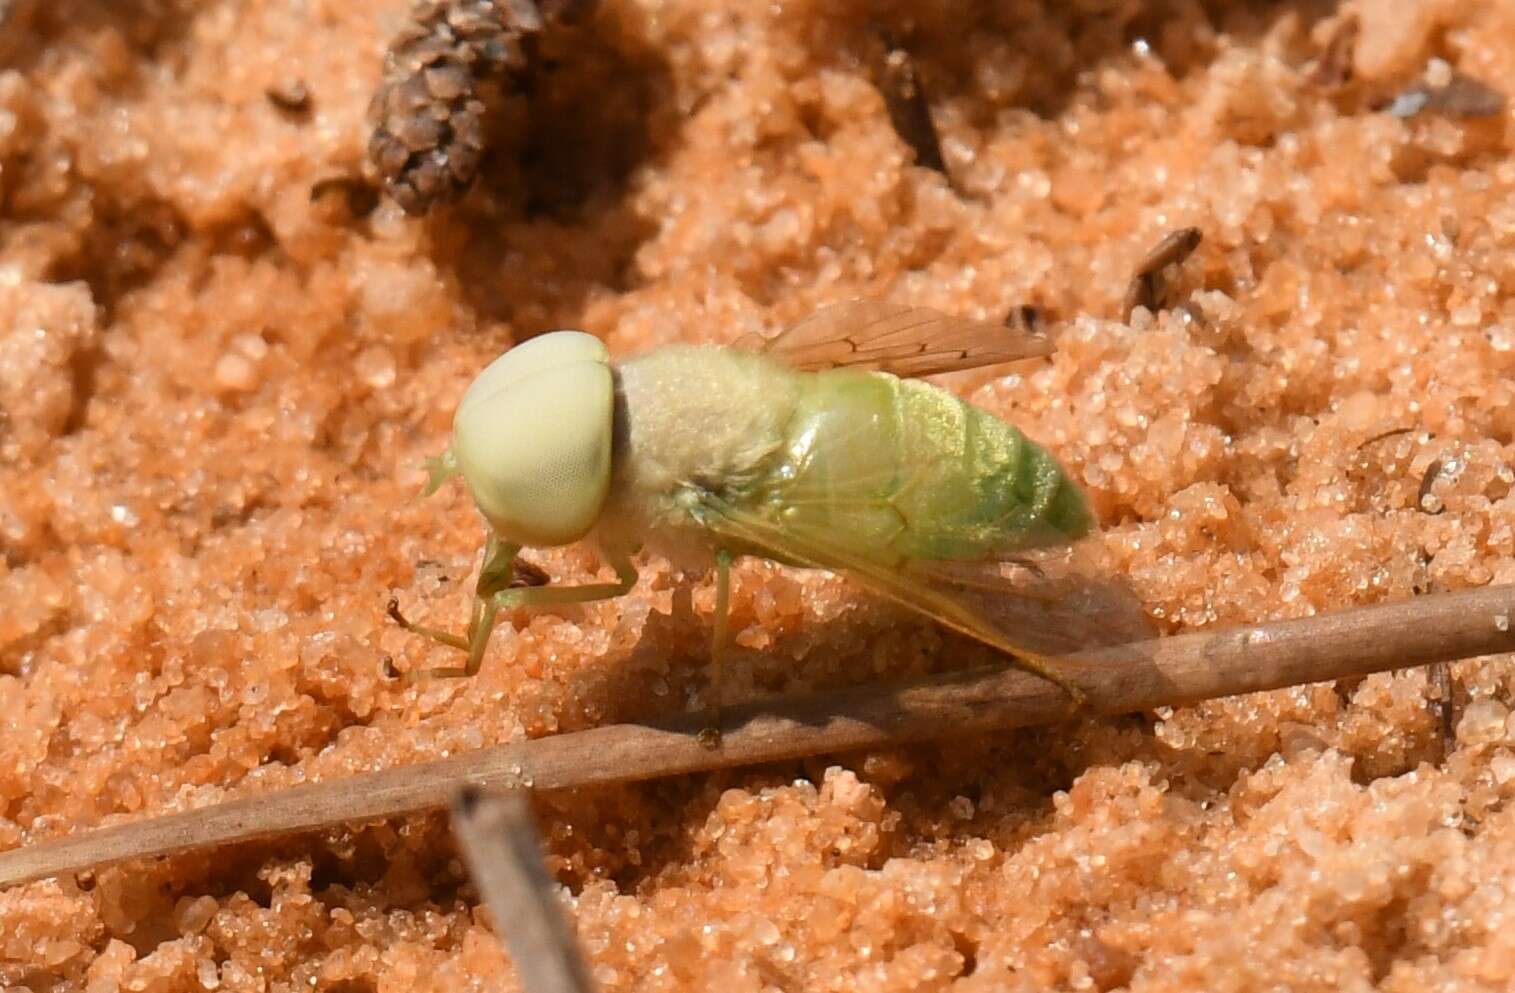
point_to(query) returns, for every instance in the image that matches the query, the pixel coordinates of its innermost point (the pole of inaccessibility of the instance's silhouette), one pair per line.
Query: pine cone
(428, 111)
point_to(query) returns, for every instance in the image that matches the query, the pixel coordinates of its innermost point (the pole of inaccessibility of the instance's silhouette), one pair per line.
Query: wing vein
(896, 338)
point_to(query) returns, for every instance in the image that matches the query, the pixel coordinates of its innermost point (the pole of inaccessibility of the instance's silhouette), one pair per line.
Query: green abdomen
(899, 469)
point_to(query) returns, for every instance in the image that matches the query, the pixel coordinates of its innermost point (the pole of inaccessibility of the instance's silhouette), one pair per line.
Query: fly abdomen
(899, 469)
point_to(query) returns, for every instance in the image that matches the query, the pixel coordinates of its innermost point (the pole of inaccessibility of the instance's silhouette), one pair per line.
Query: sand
(218, 390)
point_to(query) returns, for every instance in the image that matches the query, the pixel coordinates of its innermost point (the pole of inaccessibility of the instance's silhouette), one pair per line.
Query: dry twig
(1166, 671)
(504, 855)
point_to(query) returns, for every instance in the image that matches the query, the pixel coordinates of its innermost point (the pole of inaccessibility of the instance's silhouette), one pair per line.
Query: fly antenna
(439, 469)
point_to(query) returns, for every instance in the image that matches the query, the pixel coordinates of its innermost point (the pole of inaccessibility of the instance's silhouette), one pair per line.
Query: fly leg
(487, 609)
(531, 596)
(480, 623)
(710, 736)
(525, 574)
(498, 590)
(1047, 668)
(498, 573)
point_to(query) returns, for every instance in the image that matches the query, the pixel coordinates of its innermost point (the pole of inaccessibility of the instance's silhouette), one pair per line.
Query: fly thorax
(702, 419)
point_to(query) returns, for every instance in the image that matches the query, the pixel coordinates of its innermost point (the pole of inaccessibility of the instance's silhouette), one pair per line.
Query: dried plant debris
(1149, 286)
(909, 111)
(1334, 67)
(504, 854)
(1027, 318)
(1444, 705)
(1450, 93)
(290, 95)
(1426, 499)
(1385, 436)
(529, 574)
(1115, 680)
(444, 70)
(350, 194)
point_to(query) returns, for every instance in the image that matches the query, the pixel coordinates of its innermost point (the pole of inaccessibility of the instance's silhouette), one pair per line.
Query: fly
(819, 448)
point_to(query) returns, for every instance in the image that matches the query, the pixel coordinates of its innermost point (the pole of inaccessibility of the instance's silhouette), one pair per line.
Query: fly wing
(895, 338)
(1031, 626)
(1056, 609)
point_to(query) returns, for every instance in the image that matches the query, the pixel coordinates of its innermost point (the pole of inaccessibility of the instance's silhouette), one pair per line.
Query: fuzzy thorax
(691, 419)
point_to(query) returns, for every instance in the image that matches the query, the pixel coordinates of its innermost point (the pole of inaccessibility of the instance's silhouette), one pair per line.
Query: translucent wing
(895, 338)
(1054, 607)
(1033, 628)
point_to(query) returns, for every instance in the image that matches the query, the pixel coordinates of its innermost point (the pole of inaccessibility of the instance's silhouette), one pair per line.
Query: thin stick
(1168, 671)
(504, 855)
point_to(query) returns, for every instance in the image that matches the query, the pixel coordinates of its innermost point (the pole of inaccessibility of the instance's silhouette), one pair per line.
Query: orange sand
(218, 393)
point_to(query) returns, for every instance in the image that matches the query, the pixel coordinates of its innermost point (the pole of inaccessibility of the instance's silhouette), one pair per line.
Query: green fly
(817, 448)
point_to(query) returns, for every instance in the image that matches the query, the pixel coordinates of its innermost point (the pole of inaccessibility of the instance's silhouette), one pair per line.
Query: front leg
(531, 596)
(498, 590)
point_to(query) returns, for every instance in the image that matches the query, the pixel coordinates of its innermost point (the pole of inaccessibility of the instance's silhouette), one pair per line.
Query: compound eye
(533, 439)
(546, 351)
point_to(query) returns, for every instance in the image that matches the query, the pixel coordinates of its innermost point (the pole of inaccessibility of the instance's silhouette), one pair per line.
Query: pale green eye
(532, 436)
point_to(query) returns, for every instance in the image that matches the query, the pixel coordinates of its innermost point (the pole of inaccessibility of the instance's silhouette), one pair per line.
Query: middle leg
(710, 736)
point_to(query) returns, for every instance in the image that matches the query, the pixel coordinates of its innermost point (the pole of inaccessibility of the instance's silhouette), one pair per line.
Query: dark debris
(290, 95)
(1334, 67)
(1149, 285)
(1443, 702)
(351, 196)
(1464, 98)
(1425, 498)
(1027, 318)
(909, 110)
